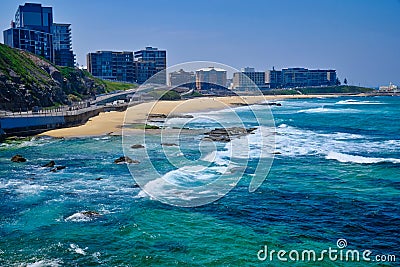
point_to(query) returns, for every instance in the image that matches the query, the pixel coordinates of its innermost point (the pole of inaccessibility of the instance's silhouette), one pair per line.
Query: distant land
(337, 89)
(27, 80)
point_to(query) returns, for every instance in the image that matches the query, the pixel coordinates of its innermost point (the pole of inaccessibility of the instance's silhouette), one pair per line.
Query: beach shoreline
(110, 123)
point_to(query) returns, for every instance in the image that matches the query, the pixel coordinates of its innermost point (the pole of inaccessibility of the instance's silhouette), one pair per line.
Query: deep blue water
(337, 176)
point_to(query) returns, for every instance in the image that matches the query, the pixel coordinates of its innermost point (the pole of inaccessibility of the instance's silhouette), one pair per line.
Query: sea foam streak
(327, 110)
(346, 158)
(356, 102)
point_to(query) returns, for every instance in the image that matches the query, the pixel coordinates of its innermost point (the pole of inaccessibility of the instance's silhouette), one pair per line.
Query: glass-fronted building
(36, 42)
(300, 77)
(33, 30)
(112, 65)
(149, 62)
(62, 43)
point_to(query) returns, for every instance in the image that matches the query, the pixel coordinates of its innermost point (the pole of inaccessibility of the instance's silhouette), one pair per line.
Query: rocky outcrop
(51, 164)
(137, 146)
(227, 134)
(27, 81)
(125, 159)
(58, 168)
(18, 159)
(169, 144)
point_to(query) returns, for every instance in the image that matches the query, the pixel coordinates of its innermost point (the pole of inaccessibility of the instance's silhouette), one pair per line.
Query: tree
(337, 82)
(345, 81)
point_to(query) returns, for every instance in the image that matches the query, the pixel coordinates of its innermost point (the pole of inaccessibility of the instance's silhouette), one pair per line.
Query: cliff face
(27, 81)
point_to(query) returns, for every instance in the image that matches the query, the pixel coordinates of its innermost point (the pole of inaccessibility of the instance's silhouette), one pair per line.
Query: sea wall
(25, 125)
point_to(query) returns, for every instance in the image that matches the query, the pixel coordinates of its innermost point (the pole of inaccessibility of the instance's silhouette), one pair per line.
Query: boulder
(18, 158)
(51, 164)
(125, 159)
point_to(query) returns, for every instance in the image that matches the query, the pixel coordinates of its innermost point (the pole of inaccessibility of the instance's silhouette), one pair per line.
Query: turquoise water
(337, 176)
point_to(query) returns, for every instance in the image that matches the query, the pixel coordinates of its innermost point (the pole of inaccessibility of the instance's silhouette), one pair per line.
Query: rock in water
(137, 146)
(125, 159)
(169, 144)
(50, 164)
(18, 158)
(91, 214)
(227, 134)
(58, 168)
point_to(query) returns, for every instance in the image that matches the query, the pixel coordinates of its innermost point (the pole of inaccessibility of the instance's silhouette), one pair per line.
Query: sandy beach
(111, 122)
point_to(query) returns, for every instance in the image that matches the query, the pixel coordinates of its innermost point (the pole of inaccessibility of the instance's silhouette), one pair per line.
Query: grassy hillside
(27, 80)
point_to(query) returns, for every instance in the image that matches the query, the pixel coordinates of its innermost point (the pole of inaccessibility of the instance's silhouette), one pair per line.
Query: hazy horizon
(357, 38)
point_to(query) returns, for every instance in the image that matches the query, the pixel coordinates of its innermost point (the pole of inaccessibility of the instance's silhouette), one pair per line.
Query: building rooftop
(210, 68)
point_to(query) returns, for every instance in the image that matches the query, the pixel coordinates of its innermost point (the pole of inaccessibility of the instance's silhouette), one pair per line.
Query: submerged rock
(84, 216)
(271, 104)
(91, 213)
(125, 159)
(137, 146)
(169, 144)
(58, 168)
(18, 158)
(50, 164)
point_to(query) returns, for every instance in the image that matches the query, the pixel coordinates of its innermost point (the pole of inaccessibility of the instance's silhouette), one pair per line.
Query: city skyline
(357, 38)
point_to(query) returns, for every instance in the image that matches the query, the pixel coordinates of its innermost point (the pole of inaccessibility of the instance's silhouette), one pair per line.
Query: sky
(358, 38)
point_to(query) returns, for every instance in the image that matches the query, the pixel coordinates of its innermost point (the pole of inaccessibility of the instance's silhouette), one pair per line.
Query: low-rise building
(211, 79)
(248, 79)
(300, 77)
(183, 79)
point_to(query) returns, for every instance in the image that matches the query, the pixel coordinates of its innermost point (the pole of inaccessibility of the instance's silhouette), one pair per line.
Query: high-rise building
(300, 77)
(111, 65)
(148, 62)
(33, 30)
(34, 17)
(209, 79)
(248, 79)
(62, 43)
(183, 79)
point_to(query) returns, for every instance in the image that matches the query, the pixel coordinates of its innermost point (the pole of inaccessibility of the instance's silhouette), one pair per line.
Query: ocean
(335, 177)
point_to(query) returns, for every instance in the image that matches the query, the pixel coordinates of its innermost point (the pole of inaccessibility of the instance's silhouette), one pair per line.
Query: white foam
(77, 249)
(292, 142)
(31, 189)
(346, 158)
(45, 263)
(78, 217)
(327, 110)
(356, 102)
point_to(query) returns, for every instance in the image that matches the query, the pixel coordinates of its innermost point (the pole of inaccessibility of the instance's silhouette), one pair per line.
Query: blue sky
(358, 38)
